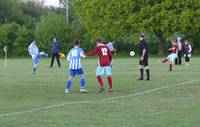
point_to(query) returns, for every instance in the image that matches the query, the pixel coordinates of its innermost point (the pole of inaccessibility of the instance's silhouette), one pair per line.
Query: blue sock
(34, 69)
(82, 82)
(68, 84)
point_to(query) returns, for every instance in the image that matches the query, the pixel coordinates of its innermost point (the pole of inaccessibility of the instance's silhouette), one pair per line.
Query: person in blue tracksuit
(55, 50)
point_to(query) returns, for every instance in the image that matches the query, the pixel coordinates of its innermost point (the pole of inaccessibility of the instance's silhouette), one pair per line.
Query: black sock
(141, 73)
(148, 74)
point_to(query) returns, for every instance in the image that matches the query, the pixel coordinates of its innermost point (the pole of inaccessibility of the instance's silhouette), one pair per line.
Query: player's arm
(190, 49)
(83, 54)
(173, 48)
(92, 53)
(144, 49)
(143, 53)
(58, 47)
(69, 57)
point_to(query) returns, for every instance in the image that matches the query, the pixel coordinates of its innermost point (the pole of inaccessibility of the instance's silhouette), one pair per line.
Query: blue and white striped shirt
(74, 58)
(33, 50)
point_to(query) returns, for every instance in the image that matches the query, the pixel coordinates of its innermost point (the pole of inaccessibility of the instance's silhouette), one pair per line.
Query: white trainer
(66, 91)
(84, 91)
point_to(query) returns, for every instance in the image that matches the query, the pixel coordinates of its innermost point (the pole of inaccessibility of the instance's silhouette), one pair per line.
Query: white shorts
(103, 70)
(172, 57)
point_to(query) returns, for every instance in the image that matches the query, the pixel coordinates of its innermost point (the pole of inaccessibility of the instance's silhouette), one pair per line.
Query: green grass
(20, 91)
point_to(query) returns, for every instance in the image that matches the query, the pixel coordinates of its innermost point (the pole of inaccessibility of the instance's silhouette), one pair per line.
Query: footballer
(103, 65)
(35, 54)
(75, 68)
(172, 56)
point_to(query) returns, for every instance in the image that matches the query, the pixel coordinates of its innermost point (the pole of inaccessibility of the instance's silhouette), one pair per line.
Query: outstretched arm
(92, 53)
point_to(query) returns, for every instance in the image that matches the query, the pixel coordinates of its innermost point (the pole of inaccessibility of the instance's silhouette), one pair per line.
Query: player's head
(141, 36)
(173, 42)
(98, 41)
(76, 42)
(54, 39)
(33, 41)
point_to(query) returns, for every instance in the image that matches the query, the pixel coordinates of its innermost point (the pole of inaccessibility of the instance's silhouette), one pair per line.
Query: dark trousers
(187, 59)
(57, 58)
(178, 60)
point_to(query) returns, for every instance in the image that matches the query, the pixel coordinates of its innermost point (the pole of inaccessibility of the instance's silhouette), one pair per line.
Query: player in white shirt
(35, 54)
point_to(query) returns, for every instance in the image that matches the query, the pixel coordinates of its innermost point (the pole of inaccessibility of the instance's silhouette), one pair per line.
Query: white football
(132, 53)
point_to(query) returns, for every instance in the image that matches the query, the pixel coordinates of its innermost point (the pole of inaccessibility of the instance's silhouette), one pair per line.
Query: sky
(54, 3)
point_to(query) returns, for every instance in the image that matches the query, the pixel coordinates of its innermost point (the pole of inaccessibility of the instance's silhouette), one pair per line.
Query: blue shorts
(73, 72)
(36, 60)
(103, 70)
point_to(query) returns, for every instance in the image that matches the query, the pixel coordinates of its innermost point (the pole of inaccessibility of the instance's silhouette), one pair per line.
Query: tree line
(121, 20)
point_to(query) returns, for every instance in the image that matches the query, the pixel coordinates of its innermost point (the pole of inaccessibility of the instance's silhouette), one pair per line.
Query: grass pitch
(28, 100)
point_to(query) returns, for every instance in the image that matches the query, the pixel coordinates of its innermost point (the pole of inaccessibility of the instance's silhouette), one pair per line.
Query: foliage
(10, 11)
(119, 18)
(16, 37)
(51, 25)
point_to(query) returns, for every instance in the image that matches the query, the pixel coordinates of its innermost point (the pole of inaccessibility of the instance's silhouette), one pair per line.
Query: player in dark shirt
(143, 62)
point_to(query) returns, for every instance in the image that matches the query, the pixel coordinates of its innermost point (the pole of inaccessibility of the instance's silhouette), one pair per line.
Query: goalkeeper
(55, 50)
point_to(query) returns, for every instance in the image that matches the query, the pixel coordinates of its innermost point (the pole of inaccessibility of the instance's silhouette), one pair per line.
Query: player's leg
(176, 61)
(187, 59)
(69, 81)
(82, 81)
(146, 67)
(141, 68)
(52, 59)
(109, 78)
(165, 60)
(172, 59)
(58, 60)
(179, 57)
(189, 55)
(170, 66)
(35, 62)
(99, 72)
(34, 69)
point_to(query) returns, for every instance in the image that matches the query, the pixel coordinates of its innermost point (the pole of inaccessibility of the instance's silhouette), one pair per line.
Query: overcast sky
(52, 3)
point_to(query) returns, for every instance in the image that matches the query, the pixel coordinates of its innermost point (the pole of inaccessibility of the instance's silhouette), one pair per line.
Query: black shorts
(144, 62)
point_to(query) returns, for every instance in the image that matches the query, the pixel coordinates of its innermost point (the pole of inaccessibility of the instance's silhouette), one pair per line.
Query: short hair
(142, 35)
(76, 42)
(98, 40)
(174, 41)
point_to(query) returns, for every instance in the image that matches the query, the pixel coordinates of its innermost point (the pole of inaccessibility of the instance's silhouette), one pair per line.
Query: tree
(49, 26)
(118, 18)
(8, 35)
(10, 11)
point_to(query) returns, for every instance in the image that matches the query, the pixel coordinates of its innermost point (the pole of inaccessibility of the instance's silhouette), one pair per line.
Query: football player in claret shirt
(103, 65)
(172, 56)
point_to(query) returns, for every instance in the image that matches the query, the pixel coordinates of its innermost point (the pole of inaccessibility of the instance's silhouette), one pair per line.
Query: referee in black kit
(143, 62)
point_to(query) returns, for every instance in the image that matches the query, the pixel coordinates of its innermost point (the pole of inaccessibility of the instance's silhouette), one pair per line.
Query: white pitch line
(99, 101)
